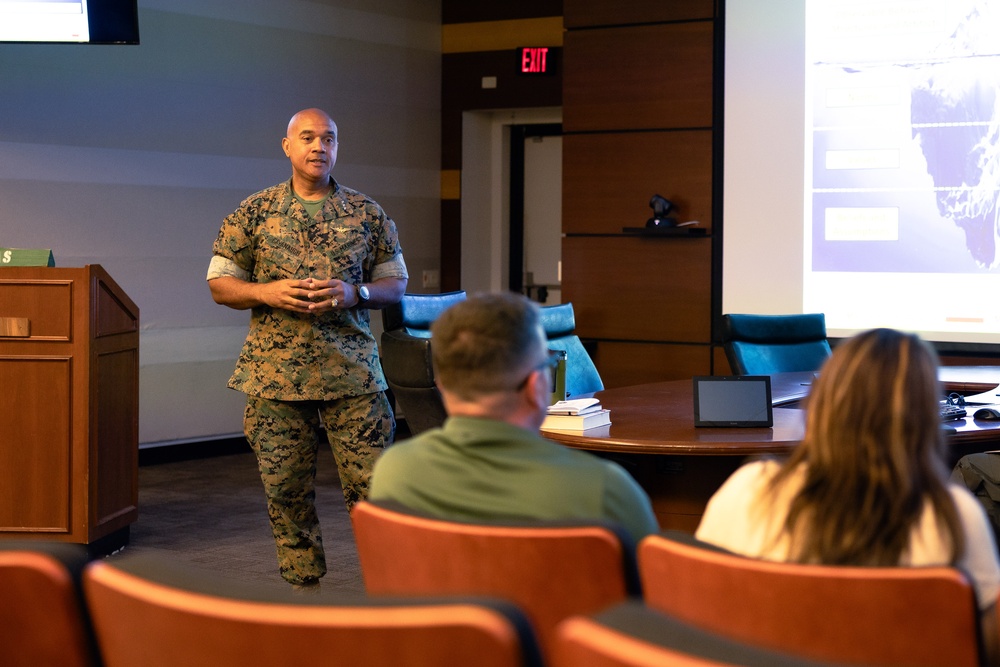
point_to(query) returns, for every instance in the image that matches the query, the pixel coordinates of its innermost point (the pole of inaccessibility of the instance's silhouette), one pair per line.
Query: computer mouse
(987, 414)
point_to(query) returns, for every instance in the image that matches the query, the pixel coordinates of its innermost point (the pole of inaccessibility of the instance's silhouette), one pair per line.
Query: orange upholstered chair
(550, 570)
(631, 634)
(861, 615)
(42, 619)
(151, 612)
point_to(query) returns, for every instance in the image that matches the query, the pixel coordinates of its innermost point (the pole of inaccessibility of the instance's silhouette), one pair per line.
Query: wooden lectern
(69, 406)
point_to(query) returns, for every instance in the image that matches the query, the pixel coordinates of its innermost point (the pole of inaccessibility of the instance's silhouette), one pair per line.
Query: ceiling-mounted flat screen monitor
(69, 21)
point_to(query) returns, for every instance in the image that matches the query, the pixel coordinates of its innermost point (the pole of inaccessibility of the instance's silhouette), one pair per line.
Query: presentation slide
(44, 21)
(862, 164)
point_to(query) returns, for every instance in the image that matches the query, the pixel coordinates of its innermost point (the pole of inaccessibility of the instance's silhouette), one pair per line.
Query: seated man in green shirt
(488, 461)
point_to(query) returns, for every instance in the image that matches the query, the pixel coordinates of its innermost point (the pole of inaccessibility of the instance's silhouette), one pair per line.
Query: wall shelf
(667, 232)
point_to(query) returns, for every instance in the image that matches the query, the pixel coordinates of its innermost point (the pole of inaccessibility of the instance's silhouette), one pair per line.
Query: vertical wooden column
(638, 121)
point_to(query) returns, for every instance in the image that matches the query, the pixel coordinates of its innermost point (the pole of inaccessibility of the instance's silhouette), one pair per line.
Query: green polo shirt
(474, 469)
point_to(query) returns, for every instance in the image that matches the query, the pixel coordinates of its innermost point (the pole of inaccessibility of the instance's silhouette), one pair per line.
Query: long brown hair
(872, 453)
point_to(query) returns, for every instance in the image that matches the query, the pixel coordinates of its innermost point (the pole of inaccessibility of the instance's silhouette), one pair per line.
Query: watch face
(363, 292)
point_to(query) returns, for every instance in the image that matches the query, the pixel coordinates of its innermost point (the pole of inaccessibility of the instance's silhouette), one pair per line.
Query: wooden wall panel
(590, 13)
(720, 365)
(637, 121)
(451, 245)
(451, 138)
(464, 74)
(639, 289)
(463, 11)
(638, 77)
(620, 172)
(624, 364)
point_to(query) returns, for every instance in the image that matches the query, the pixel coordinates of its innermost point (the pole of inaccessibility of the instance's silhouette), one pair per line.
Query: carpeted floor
(210, 512)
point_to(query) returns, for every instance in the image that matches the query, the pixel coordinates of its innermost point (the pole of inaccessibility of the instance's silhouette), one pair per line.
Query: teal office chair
(406, 357)
(766, 344)
(415, 312)
(582, 377)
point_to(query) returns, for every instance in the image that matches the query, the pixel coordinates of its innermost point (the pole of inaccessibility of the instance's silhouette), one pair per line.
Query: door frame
(485, 193)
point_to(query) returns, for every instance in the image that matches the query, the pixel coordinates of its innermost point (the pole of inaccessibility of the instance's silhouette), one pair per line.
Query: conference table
(652, 434)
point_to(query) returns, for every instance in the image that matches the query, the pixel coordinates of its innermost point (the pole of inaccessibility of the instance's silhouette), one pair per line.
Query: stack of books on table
(577, 414)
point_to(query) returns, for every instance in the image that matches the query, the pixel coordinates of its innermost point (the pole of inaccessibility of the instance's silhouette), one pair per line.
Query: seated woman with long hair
(868, 485)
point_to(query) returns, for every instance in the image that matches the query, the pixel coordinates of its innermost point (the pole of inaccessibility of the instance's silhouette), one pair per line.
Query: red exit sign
(535, 60)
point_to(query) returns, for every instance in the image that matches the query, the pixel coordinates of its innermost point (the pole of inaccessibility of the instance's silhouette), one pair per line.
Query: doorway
(487, 246)
(535, 235)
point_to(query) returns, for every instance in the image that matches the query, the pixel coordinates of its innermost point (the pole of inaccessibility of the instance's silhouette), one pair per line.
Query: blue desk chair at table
(582, 377)
(406, 356)
(766, 344)
(415, 313)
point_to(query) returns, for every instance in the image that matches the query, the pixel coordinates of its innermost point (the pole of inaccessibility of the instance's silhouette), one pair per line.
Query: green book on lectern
(26, 257)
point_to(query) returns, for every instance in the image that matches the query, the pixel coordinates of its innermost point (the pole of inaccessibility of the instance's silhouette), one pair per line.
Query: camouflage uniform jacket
(293, 356)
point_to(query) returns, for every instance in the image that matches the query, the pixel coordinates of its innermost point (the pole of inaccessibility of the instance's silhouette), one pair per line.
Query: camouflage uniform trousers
(284, 436)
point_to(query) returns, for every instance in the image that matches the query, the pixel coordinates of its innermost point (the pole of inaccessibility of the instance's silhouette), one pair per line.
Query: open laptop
(733, 400)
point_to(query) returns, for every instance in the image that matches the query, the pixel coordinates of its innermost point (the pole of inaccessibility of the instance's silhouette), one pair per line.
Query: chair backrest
(550, 570)
(406, 357)
(148, 612)
(559, 322)
(415, 312)
(631, 634)
(43, 622)
(766, 344)
(406, 362)
(862, 615)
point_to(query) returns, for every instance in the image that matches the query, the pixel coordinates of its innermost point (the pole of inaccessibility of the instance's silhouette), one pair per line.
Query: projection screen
(862, 164)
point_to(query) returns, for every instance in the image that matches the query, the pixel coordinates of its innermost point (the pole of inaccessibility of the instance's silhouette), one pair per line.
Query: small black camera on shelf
(661, 208)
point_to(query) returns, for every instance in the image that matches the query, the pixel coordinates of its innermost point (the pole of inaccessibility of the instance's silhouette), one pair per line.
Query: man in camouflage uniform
(309, 257)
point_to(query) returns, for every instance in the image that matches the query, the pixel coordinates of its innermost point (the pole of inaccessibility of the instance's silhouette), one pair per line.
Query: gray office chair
(582, 377)
(766, 344)
(406, 357)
